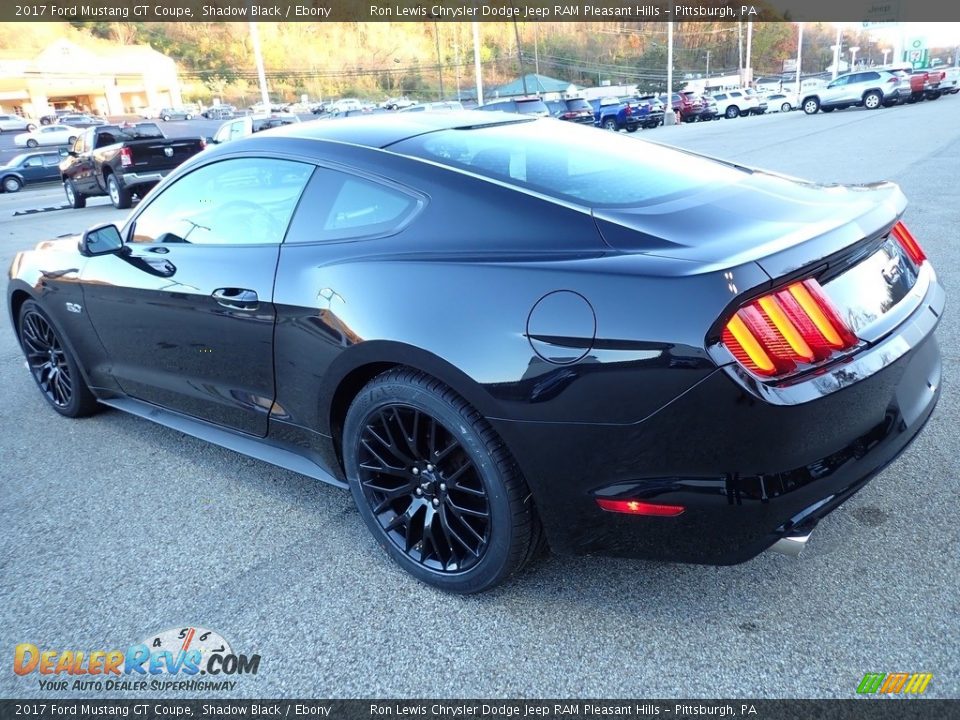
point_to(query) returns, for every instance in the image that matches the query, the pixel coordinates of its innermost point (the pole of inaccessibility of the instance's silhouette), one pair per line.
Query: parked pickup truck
(611, 113)
(923, 84)
(122, 161)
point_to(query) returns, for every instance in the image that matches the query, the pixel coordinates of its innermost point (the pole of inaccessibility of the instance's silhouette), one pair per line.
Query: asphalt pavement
(116, 529)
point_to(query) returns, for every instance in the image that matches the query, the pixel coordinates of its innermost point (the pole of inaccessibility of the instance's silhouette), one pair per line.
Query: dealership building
(108, 80)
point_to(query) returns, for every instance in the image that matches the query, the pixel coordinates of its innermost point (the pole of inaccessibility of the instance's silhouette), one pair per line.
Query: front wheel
(811, 105)
(785, 107)
(165, 118)
(74, 198)
(119, 196)
(12, 184)
(31, 127)
(872, 100)
(732, 112)
(52, 365)
(435, 484)
(31, 143)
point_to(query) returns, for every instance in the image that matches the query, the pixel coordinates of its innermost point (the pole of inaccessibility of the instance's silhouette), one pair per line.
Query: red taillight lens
(628, 110)
(798, 325)
(638, 507)
(126, 158)
(909, 243)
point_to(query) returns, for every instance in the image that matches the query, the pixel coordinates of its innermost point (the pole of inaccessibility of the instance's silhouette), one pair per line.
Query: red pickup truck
(924, 84)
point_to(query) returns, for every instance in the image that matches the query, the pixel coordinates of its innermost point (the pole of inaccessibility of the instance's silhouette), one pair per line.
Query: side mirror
(210, 140)
(101, 240)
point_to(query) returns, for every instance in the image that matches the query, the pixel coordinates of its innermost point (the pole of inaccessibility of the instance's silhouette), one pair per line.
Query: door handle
(236, 298)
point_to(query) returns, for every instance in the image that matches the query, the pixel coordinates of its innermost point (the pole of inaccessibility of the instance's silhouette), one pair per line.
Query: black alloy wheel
(52, 365)
(450, 507)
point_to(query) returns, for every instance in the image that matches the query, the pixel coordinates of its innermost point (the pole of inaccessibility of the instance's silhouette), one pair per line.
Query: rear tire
(31, 127)
(872, 100)
(436, 486)
(811, 106)
(31, 143)
(829, 109)
(75, 199)
(121, 197)
(732, 112)
(610, 124)
(786, 107)
(52, 365)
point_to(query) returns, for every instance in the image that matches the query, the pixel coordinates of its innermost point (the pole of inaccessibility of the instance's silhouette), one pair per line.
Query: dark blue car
(32, 167)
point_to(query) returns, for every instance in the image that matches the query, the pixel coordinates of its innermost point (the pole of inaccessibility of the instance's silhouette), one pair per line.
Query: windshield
(570, 162)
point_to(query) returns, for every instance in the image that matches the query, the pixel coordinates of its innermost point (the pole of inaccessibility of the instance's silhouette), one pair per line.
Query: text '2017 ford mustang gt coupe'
(462, 319)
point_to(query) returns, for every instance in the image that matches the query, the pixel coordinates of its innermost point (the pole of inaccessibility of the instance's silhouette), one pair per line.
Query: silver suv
(866, 88)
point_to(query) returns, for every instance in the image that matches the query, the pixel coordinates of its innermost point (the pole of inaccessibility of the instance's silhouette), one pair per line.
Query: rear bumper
(132, 179)
(747, 471)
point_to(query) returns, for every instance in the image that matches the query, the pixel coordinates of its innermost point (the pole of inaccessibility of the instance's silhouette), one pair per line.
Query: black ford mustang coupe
(500, 340)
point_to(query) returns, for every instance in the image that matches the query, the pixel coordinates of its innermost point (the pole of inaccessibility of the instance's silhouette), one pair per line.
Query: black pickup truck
(122, 161)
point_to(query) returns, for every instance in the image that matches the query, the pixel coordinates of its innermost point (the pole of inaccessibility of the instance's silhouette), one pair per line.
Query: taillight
(638, 507)
(629, 110)
(909, 243)
(775, 335)
(126, 157)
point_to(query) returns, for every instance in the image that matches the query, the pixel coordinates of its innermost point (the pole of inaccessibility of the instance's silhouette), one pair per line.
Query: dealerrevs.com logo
(171, 660)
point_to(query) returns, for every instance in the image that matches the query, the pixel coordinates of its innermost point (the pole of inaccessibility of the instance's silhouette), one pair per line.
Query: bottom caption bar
(855, 709)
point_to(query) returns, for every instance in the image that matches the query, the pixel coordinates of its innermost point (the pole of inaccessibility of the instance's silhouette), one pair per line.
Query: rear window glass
(531, 106)
(579, 104)
(570, 163)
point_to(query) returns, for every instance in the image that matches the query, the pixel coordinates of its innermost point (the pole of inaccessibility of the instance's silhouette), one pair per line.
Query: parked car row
(875, 88)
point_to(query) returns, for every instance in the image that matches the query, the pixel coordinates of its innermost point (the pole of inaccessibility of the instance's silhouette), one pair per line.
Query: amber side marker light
(638, 507)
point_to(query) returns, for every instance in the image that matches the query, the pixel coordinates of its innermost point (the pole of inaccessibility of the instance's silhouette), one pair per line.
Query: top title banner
(866, 11)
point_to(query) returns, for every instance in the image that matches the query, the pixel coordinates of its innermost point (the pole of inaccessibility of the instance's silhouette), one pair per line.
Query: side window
(51, 160)
(242, 201)
(237, 129)
(871, 76)
(339, 206)
(34, 161)
(223, 134)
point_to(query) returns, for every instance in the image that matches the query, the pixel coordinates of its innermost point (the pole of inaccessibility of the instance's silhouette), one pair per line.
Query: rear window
(570, 162)
(531, 106)
(578, 104)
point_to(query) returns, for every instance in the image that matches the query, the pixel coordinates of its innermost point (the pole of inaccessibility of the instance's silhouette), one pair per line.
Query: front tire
(12, 184)
(811, 106)
(119, 196)
(74, 198)
(785, 107)
(52, 364)
(435, 484)
(732, 112)
(31, 127)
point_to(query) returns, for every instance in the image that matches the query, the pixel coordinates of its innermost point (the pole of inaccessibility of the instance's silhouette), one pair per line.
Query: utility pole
(749, 47)
(668, 117)
(478, 76)
(836, 52)
(536, 51)
(740, 49)
(258, 58)
(799, 54)
(708, 64)
(436, 35)
(523, 78)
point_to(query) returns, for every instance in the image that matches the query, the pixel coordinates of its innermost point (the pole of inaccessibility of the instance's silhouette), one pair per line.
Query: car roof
(378, 130)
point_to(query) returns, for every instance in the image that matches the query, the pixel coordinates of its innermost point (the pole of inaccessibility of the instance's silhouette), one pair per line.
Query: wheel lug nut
(430, 468)
(443, 487)
(416, 471)
(435, 502)
(419, 491)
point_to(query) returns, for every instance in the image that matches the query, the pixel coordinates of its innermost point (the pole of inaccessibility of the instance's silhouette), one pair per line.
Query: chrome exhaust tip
(791, 545)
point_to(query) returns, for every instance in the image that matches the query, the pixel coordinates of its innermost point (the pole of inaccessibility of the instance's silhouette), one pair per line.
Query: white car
(346, 104)
(48, 135)
(734, 103)
(15, 122)
(781, 102)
